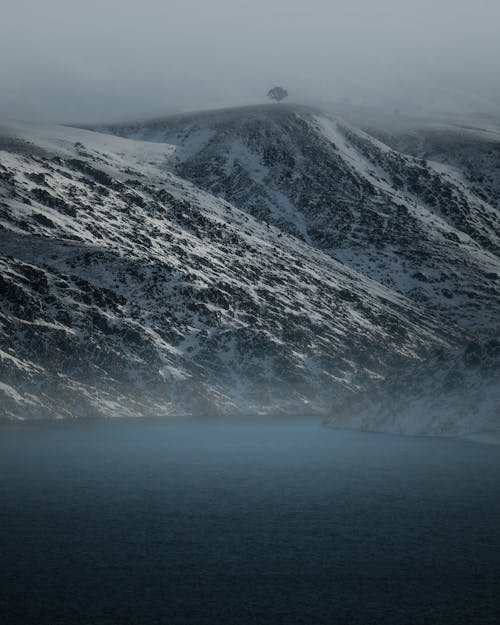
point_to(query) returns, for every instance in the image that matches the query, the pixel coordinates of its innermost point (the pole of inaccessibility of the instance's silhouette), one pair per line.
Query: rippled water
(245, 523)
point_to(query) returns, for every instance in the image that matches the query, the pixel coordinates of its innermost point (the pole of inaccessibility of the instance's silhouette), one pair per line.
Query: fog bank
(72, 61)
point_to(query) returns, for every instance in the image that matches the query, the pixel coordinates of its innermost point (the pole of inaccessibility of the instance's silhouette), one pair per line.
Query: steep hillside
(412, 224)
(470, 149)
(125, 290)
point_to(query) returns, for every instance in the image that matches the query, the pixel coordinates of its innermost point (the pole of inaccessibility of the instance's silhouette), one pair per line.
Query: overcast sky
(105, 60)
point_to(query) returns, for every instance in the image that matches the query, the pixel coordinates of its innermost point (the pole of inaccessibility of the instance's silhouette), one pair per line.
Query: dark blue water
(196, 523)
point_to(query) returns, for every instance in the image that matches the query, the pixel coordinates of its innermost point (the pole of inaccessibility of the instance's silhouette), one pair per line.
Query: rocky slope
(469, 148)
(409, 223)
(262, 260)
(126, 290)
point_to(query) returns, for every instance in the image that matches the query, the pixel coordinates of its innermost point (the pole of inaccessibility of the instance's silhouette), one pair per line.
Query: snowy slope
(469, 149)
(250, 261)
(412, 224)
(128, 291)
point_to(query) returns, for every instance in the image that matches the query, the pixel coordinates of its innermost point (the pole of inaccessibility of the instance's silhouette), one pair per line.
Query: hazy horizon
(100, 62)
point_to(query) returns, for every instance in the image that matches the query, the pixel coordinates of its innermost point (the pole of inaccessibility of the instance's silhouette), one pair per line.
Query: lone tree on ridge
(277, 93)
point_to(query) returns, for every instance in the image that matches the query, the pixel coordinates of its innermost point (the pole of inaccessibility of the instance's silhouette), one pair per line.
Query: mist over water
(95, 61)
(277, 522)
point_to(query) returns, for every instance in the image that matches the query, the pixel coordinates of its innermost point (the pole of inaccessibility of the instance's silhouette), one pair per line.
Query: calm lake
(236, 523)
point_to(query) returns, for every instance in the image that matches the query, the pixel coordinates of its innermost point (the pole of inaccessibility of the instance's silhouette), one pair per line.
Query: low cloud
(97, 61)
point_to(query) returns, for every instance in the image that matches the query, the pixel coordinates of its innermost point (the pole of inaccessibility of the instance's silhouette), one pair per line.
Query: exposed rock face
(249, 261)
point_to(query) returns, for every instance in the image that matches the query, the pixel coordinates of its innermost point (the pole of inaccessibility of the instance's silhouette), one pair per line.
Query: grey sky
(90, 60)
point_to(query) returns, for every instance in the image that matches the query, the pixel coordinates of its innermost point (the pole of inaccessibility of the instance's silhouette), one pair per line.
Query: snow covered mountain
(258, 260)
(411, 224)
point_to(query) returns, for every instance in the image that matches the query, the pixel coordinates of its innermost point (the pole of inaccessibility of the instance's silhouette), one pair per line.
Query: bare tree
(277, 93)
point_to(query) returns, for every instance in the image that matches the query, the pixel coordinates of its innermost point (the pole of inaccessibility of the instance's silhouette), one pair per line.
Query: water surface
(245, 523)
